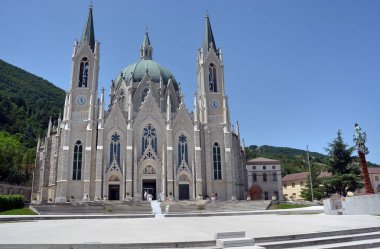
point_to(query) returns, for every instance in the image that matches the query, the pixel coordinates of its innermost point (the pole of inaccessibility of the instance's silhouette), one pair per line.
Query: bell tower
(212, 98)
(85, 70)
(79, 127)
(214, 120)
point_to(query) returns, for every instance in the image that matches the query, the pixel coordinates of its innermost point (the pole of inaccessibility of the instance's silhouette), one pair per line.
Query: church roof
(147, 65)
(208, 37)
(138, 69)
(88, 31)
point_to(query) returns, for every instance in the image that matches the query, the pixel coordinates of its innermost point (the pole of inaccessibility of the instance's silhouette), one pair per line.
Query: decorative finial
(146, 29)
(90, 4)
(181, 96)
(207, 14)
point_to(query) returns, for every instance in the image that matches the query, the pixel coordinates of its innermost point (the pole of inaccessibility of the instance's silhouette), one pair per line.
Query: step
(317, 234)
(235, 242)
(362, 244)
(320, 240)
(230, 235)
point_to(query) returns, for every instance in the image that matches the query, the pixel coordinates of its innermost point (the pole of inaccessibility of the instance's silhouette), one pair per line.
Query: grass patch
(287, 206)
(21, 211)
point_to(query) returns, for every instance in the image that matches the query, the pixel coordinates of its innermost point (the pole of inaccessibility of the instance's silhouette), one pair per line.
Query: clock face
(81, 100)
(214, 104)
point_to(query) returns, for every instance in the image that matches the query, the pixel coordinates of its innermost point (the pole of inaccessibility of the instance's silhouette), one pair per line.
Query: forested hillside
(26, 103)
(292, 160)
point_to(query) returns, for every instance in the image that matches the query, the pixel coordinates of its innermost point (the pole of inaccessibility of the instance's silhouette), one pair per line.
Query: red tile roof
(303, 175)
(262, 161)
(374, 170)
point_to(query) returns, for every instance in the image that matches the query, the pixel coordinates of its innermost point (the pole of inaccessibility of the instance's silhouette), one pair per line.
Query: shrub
(201, 207)
(8, 202)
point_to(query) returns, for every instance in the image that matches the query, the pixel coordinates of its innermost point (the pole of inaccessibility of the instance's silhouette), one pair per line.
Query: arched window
(274, 177)
(217, 161)
(254, 177)
(149, 137)
(264, 177)
(144, 92)
(212, 78)
(83, 73)
(115, 148)
(77, 160)
(182, 150)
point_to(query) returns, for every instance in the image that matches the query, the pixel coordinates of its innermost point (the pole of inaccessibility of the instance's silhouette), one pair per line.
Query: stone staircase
(235, 240)
(355, 239)
(202, 206)
(89, 208)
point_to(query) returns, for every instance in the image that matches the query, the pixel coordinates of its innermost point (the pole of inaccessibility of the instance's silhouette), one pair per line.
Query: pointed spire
(130, 108)
(146, 41)
(195, 107)
(49, 127)
(88, 34)
(146, 48)
(101, 105)
(168, 110)
(208, 39)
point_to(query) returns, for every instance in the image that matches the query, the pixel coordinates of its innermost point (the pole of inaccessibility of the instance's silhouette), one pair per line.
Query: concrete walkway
(174, 229)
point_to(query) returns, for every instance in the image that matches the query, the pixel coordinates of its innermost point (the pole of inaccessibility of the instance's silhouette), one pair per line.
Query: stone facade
(264, 179)
(147, 141)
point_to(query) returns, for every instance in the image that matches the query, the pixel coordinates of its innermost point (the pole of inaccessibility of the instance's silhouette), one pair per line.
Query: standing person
(145, 195)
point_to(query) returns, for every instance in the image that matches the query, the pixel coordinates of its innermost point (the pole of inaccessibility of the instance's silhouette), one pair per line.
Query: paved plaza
(173, 229)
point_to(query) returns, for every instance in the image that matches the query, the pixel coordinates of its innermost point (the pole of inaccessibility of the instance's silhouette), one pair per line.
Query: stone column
(87, 162)
(63, 165)
(129, 162)
(169, 161)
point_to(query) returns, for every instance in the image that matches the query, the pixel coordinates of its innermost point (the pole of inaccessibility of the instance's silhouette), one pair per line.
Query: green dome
(139, 68)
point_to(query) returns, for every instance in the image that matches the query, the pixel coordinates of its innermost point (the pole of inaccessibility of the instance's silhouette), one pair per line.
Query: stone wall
(363, 204)
(6, 189)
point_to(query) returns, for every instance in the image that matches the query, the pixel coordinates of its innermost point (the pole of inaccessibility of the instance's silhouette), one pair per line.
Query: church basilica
(147, 140)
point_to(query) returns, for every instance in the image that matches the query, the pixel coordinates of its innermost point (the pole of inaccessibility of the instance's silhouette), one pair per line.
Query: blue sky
(295, 71)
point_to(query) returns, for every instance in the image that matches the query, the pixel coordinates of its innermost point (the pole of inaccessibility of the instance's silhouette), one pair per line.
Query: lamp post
(311, 178)
(360, 138)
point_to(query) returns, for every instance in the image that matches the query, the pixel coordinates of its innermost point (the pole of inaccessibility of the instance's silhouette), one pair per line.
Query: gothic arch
(184, 187)
(216, 156)
(84, 72)
(189, 146)
(107, 146)
(139, 134)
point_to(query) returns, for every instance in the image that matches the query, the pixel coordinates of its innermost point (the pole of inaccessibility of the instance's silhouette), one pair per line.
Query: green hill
(292, 160)
(26, 103)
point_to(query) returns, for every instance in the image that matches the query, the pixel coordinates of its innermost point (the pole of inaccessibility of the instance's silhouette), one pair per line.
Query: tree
(318, 188)
(10, 156)
(345, 175)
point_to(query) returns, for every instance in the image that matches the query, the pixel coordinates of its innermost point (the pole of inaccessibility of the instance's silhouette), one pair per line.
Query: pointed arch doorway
(149, 181)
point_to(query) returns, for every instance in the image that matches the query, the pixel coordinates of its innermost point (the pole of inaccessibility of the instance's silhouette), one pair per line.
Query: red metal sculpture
(360, 138)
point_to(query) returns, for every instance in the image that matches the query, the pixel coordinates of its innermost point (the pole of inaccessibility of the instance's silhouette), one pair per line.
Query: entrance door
(149, 185)
(183, 190)
(255, 192)
(114, 192)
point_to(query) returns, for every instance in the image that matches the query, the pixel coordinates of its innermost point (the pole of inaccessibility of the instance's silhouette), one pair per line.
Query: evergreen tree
(345, 175)
(318, 189)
